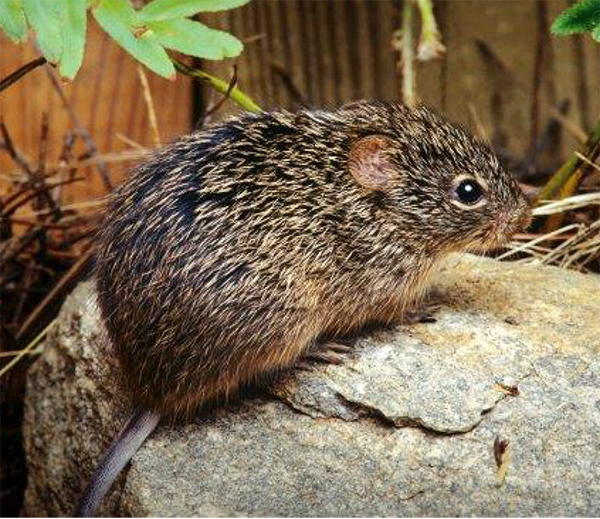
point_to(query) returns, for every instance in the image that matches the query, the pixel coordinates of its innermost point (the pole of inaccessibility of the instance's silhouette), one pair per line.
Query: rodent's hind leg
(329, 353)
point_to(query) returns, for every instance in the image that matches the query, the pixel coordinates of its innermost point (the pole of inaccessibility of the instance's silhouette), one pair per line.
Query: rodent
(232, 252)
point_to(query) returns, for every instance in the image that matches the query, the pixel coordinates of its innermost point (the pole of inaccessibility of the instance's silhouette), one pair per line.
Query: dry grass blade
(120, 156)
(577, 250)
(149, 105)
(77, 205)
(524, 247)
(27, 349)
(567, 204)
(64, 283)
(587, 161)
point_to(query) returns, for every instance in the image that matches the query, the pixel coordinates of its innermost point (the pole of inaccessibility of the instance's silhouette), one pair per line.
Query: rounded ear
(369, 162)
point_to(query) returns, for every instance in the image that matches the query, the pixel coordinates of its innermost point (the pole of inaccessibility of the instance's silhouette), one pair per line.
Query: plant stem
(407, 55)
(220, 85)
(90, 145)
(430, 46)
(149, 106)
(19, 73)
(591, 149)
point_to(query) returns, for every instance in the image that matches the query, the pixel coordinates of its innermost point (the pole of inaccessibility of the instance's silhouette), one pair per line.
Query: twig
(24, 287)
(33, 178)
(566, 245)
(43, 146)
(91, 148)
(39, 179)
(567, 190)
(253, 38)
(65, 161)
(12, 353)
(591, 149)
(109, 158)
(217, 106)
(130, 142)
(28, 348)
(587, 161)
(14, 247)
(68, 207)
(10, 206)
(20, 72)
(65, 282)
(14, 153)
(45, 225)
(239, 97)
(149, 106)
(288, 82)
(574, 129)
(479, 129)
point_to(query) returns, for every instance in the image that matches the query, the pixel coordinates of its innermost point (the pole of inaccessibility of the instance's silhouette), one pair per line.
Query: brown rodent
(233, 251)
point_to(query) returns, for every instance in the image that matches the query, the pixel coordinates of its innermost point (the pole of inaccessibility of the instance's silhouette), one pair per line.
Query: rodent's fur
(232, 251)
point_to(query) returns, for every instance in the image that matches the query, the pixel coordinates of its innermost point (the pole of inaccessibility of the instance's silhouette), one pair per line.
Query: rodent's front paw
(424, 313)
(327, 353)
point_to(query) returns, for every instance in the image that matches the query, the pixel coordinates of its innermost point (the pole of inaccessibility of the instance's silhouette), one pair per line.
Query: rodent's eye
(468, 191)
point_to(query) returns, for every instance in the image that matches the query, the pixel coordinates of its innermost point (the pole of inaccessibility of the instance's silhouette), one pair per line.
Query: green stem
(427, 19)
(560, 178)
(407, 55)
(430, 45)
(220, 85)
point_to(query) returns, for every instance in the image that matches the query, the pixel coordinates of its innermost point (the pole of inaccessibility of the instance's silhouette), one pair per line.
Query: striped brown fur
(232, 251)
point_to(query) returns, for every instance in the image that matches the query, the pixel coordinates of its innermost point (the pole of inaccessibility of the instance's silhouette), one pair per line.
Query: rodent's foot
(422, 314)
(328, 353)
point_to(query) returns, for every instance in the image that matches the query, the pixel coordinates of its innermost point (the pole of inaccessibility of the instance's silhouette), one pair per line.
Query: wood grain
(501, 65)
(338, 51)
(106, 96)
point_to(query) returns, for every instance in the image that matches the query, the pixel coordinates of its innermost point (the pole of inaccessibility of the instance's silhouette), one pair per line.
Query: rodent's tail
(139, 426)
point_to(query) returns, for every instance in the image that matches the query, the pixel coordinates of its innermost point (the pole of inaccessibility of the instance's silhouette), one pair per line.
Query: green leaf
(159, 10)
(73, 38)
(12, 20)
(596, 33)
(582, 17)
(196, 39)
(118, 19)
(47, 19)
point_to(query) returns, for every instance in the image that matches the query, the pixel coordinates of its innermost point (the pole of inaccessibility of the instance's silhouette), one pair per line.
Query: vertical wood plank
(106, 95)
(334, 52)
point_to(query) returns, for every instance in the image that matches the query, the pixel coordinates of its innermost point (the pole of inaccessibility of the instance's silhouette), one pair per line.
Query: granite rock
(406, 426)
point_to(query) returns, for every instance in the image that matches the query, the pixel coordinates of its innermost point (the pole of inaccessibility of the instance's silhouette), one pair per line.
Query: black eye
(469, 192)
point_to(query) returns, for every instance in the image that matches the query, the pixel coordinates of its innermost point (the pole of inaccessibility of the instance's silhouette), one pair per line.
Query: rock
(406, 426)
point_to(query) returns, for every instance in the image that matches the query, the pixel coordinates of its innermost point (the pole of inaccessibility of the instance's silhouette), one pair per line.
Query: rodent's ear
(369, 162)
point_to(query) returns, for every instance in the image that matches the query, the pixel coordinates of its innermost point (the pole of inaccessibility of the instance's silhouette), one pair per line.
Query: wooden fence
(502, 74)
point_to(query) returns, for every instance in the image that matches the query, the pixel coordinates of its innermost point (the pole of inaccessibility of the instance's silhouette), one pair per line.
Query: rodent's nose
(525, 207)
(516, 219)
(526, 214)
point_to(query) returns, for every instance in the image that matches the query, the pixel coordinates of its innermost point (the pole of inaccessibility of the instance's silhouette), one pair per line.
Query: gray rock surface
(405, 427)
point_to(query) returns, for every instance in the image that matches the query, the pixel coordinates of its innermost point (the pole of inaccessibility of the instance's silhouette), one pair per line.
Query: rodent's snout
(526, 216)
(513, 220)
(522, 216)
